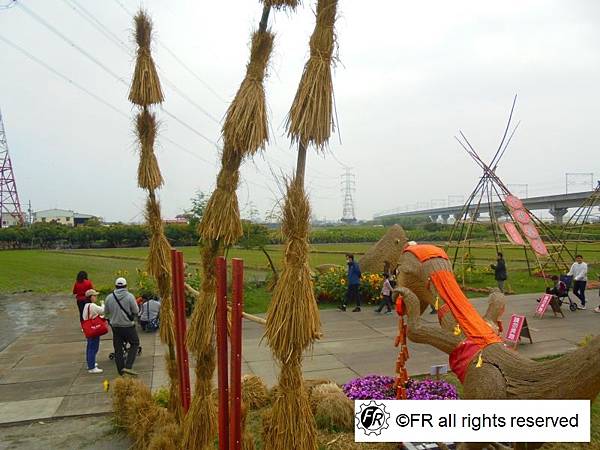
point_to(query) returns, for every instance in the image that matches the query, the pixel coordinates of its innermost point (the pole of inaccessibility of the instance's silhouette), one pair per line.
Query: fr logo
(372, 418)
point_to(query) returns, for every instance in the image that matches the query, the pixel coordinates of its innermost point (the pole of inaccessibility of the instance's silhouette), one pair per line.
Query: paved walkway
(43, 374)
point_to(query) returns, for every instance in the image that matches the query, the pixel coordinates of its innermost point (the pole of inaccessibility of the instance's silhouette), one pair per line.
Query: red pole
(175, 301)
(185, 364)
(222, 353)
(236, 354)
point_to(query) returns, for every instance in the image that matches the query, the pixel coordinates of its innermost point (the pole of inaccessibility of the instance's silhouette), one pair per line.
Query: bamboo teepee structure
(244, 132)
(293, 322)
(512, 224)
(146, 92)
(582, 226)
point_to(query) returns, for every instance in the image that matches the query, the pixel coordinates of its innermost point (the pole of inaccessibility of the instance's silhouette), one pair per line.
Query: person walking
(121, 308)
(500, 271)
(579, 271)
(90, 311)
(81, 286)
(149, 313)
(353, 279)
(386, 292)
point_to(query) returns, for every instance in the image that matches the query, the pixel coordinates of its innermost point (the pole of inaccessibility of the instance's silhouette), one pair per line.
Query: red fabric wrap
(461, 357)
(425, 251)
(444, 309)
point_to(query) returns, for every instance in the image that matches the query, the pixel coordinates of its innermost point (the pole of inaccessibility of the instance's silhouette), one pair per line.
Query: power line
(104, 67)
(176, 58)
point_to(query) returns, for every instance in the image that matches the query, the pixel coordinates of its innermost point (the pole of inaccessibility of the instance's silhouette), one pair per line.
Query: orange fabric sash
(471, 323)
(424, 252)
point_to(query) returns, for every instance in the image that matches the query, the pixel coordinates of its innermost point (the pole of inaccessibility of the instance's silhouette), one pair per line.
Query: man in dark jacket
(500, 271)
(353, 280)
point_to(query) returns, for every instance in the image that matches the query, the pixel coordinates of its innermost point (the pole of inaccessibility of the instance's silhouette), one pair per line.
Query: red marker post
(223, 382)
(235, 431)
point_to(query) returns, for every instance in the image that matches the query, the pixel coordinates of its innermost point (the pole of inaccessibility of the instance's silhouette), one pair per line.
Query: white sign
(472, 420)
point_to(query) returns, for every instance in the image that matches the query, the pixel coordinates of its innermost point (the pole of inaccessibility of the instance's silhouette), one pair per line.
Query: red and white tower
(10, 208)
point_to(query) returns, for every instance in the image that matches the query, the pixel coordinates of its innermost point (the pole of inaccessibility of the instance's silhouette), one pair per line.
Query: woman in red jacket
(81, 286)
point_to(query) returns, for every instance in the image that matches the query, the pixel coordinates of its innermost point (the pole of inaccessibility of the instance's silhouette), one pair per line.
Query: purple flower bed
(371, 387)
(430, 390)
(379, 387)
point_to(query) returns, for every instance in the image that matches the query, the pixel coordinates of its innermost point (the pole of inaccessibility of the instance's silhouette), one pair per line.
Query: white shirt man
(579, 273)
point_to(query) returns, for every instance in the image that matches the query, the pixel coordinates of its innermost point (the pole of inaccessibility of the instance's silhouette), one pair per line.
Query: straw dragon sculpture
(498, 372)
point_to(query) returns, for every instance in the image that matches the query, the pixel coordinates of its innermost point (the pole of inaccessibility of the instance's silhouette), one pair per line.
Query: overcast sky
(411, 75)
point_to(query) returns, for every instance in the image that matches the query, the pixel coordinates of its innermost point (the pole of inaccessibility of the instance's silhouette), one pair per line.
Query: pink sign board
(512, 233)
(543, 304)
(513, 331)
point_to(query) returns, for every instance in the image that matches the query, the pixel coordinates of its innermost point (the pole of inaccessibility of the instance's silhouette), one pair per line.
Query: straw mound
(334, 412)
(321, 391)
(293, 317)
(145, 86)
(247, 438)
(221, 219)
(246, 129)
(122, 390)
(149, 176)
(388, 248)
(310, 119)
(166, 437)
(281, 4)
(254, 392)
(290, 423)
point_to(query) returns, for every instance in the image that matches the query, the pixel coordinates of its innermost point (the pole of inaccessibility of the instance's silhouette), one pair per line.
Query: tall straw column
(146, 91)
(245, 131)
(293, 322)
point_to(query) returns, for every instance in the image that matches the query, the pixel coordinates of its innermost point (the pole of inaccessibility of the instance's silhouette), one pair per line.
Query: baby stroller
(111, 355)
(567, 279)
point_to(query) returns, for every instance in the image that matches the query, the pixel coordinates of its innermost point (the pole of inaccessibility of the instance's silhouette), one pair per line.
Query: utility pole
(10, 207)
(348, 189)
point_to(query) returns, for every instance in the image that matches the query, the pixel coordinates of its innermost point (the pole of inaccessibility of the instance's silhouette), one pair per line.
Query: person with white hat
(121, 308)
(91, 311)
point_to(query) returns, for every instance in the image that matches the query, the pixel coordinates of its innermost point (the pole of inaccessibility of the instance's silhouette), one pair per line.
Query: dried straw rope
(293, 317)
(291, 423)
(310, 119)
(145, 86)
(149, 176)
(221, 220)
(246, 127)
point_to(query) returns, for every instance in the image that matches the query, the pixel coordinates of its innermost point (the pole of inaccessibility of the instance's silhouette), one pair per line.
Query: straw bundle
(149, 176)
(281, 4)
(293, 318)
(166, 437)
(246, 129)
(145, 86)
(122, 390)
(319, 392)
(291, 423)
(335, 412)
(247, 438)
(310, 119)
(254, 392)
(221, 220)
(200, 423)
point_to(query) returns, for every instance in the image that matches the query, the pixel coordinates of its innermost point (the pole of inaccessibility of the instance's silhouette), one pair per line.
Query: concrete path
(43, 373)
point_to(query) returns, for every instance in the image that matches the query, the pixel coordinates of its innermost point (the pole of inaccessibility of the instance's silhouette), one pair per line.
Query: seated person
(149, 313)
(559, 287)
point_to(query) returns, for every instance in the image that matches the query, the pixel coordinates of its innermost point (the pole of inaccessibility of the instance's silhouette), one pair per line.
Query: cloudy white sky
(411, 75)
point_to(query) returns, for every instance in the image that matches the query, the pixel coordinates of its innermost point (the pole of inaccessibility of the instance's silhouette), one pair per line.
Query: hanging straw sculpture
(145, 87)
(245, 131)
(310, 119)
(293, 318)
(145, 91)
(281, 4)
(149, 176)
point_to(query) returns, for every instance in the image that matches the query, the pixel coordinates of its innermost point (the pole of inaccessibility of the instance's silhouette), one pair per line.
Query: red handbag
(94, 327)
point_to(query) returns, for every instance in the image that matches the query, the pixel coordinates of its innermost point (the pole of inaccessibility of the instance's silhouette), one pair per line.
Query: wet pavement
(42, 351)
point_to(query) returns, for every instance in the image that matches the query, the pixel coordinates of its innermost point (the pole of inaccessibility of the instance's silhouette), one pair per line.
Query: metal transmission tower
(10, 208)
(348, 189)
